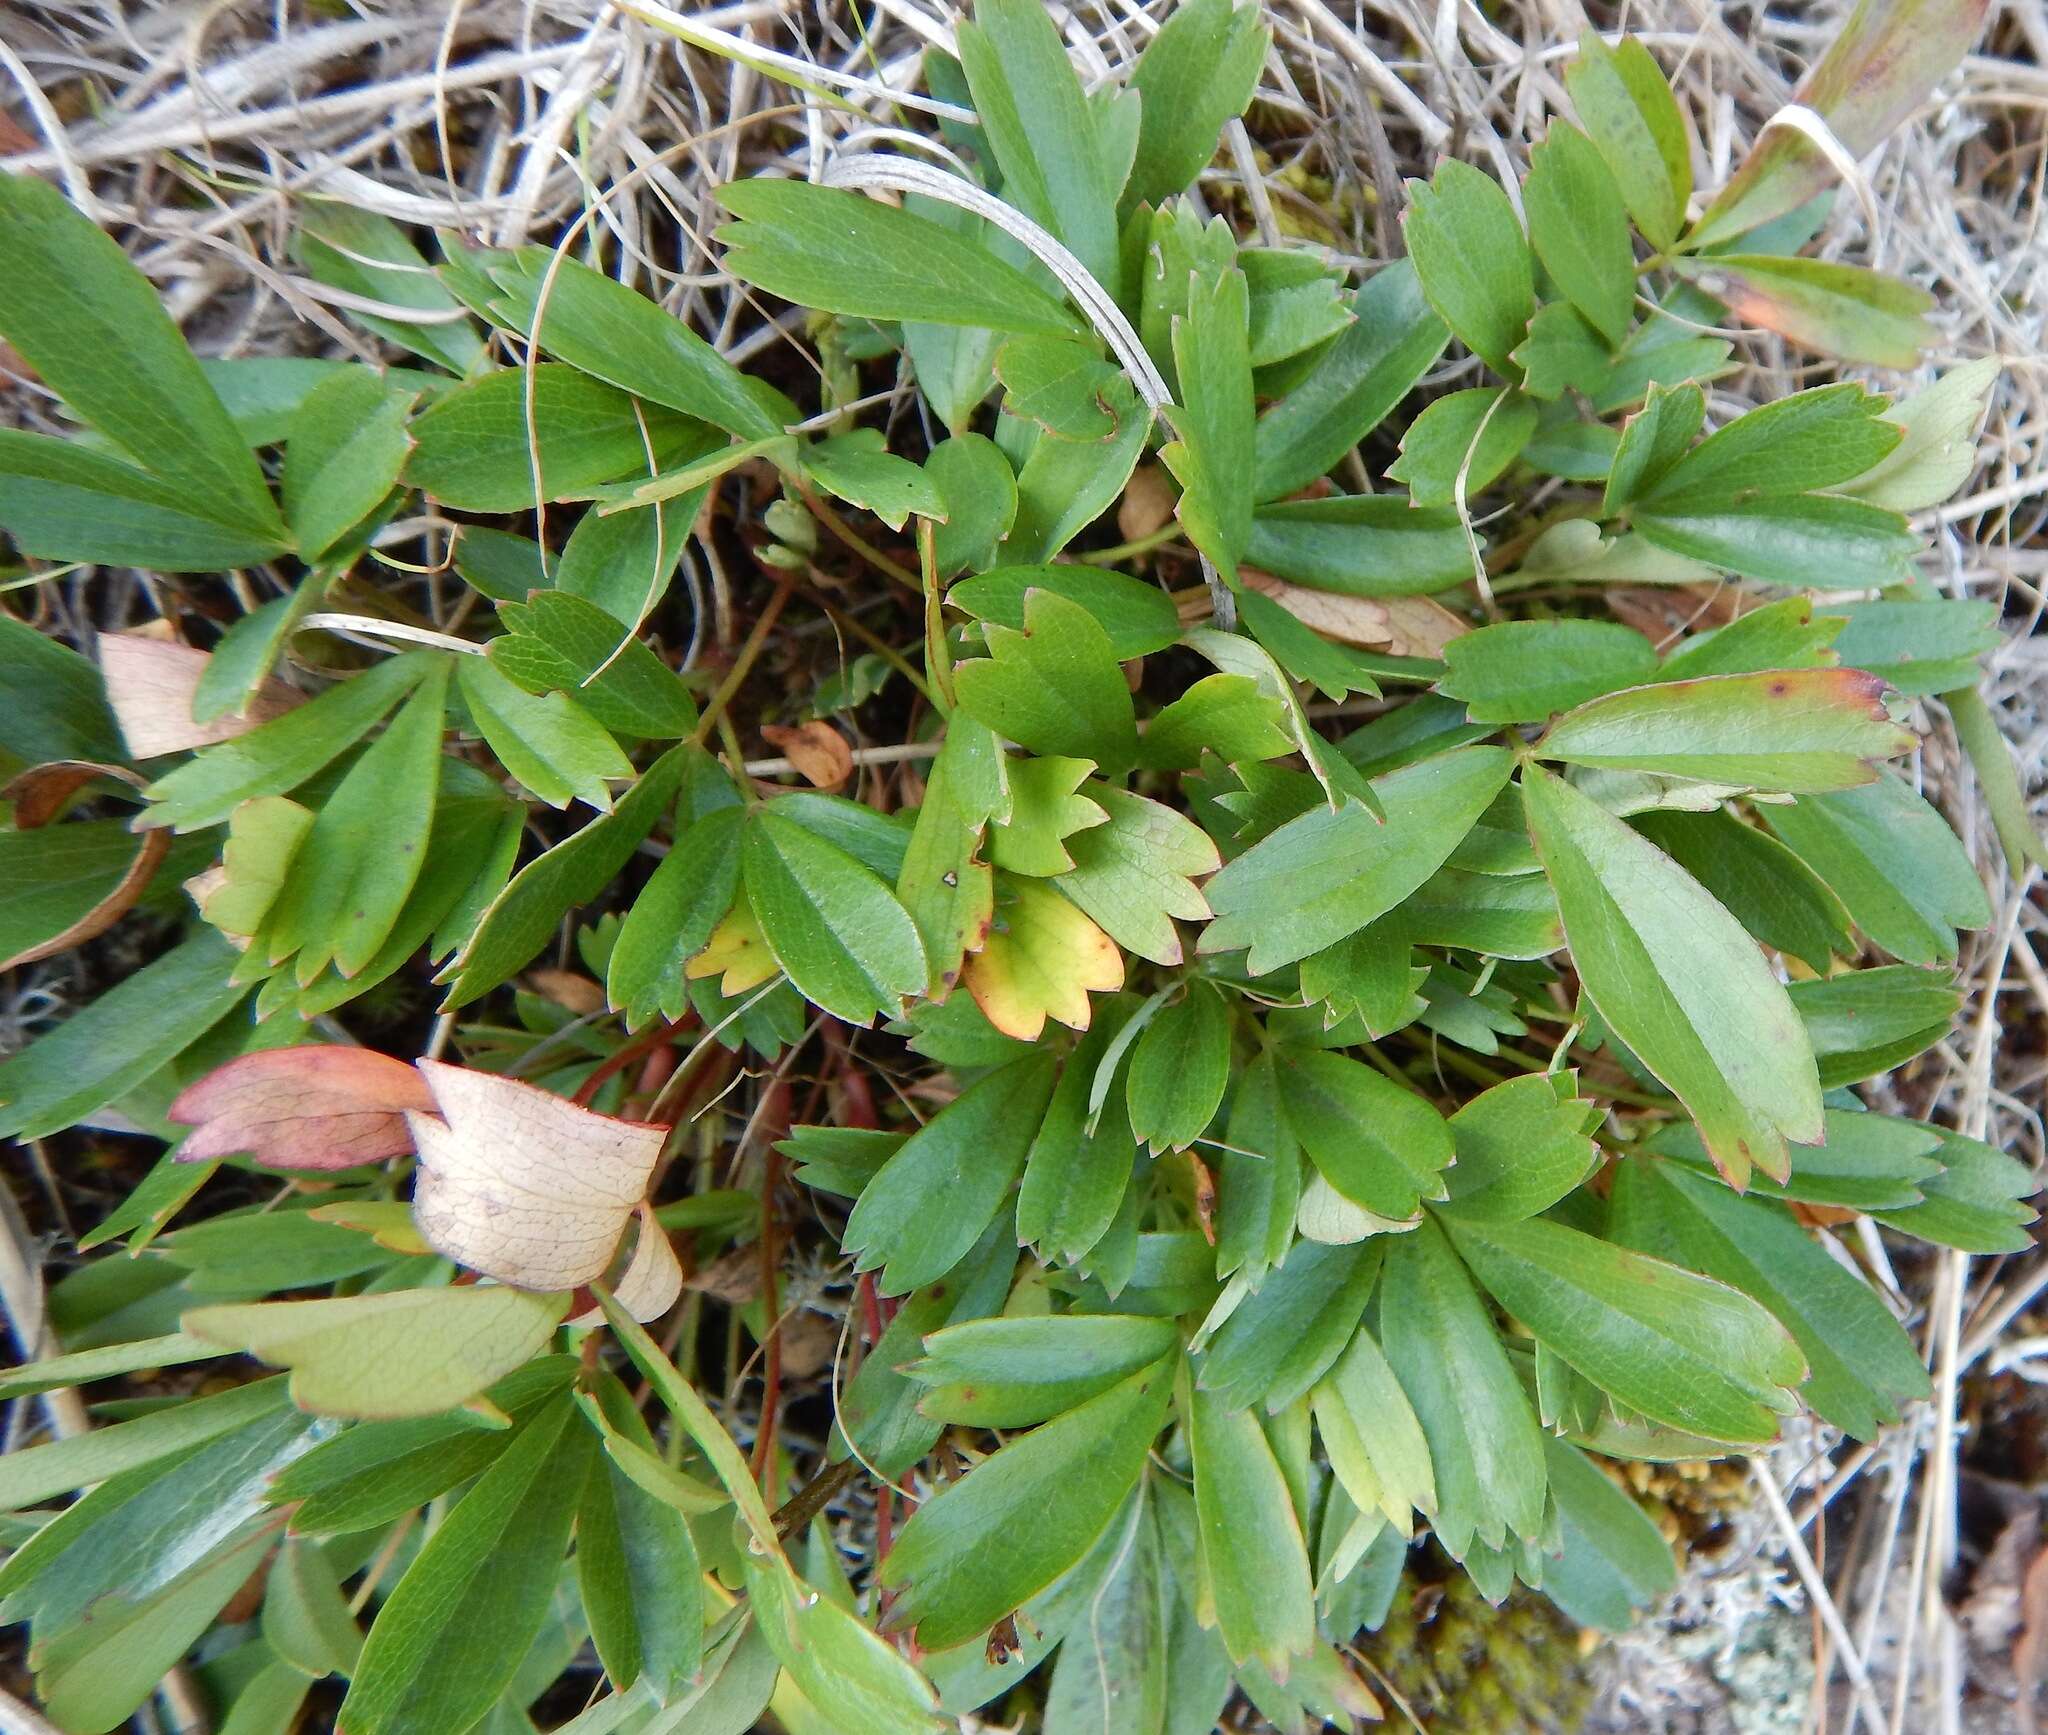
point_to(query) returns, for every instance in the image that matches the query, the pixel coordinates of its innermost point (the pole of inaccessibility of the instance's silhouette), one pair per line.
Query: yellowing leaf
(412, 1352)
(525, 1186)
(736, 954)
(1042, 959)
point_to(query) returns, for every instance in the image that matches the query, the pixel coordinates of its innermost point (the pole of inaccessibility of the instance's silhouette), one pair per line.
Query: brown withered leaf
(39, 795)
(150, 684)
(816, 749)
(322, 1106)
(522, 1185)
(1402, 626)
(567, 988)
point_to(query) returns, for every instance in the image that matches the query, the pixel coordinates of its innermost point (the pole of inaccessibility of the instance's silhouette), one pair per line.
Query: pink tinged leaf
(324, 1106)
(1889, 56)
(151, 683)
(653, 1277)
(522, 1185)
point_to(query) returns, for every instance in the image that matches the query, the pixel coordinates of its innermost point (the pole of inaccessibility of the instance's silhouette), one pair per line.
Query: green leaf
(1974, 1203)
(1230, 716)
(1044, 812)
(1297, 306)
(1770, 890)
(857, 469)
(1041, 130)
(1179, 1070)
(603, 328)
(306, 1618)
(1939, 451)
(552, 745)
(1614, 1560)
(1254, 1561)
(1863, 1366)
(1212, 457)
(1059, 383)
(285, 752)
(248, 651)
(1198, 72)
(672, 919)
(94, 331)
(83, 1366)
(520, 919)
(450, 1637)
(833, 925)
(1138, 617)
(1780, 635)
(1260, 1178)
(110, 1046)
(1055, 687)
(30, 1476)
(475, 447)
(1377, 1144)
(1898, 869)
(1741, 499)
(1579, 228)
(360, 861)
(561, 643)
(1283, 1337)
(1013, 1373)
(1361, 545)
(1653, 442)
(1375, 1444)
(61, 500)
(369, 256)
(1336, 670)
(1117, 1665)
(1521, 1147)
(967, 1154)
(1563, 353)
(347, 444)
(1065, 485)
(948, 891)
(1868, 1021)
(1802, 731)
(990, 1541)
(636, 1564)
(1327, 874)
(405, 1352)
(1869, 1162)
(1676, 978)
(1680, 1348)
(1473, 435)
(1075, 1178)
(1524, 671)
(829, 248)
(836, 1660)
(1841, 310)
(1998, 779)
(624, 561)
(1393, 341)
(58, 702)
(1921, 648)
(1136, 874)
(369, 1476)
(979, 490)
(1624, 102)
(1474, 263)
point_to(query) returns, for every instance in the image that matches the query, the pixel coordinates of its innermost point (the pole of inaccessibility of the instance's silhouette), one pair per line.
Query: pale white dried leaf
(150, 684)
(653, 1277)
(522, 1185)
(1402, 626)
(1326, 1215)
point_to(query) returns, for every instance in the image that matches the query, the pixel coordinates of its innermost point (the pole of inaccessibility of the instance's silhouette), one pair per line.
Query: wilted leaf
(522, 1185)
(324, 1106)
(151, 684)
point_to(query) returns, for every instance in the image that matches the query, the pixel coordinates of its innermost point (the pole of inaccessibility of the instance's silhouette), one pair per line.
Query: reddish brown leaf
(324, 1106)
(39, 795)
(816, 749)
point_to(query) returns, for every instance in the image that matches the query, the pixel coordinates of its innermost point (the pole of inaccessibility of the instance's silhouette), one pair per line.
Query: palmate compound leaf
(1679, 1348)
(407, 1352)
(966, 1155)
(1676, 978)
(832, 923)
(1328, 873)
(1863, 1366)
(987, 1543)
